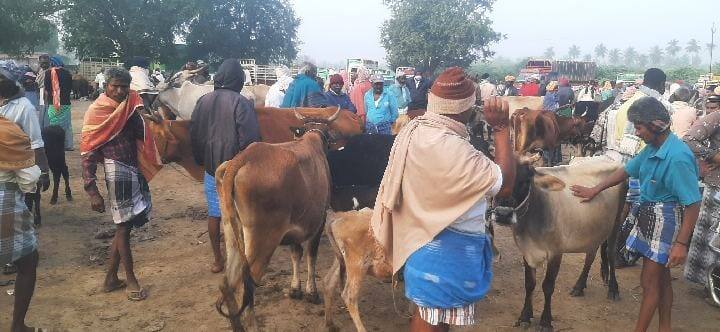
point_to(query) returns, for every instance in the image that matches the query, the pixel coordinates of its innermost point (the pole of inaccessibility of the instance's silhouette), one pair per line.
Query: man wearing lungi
(114, 136)
(430, 216)
(669, 205)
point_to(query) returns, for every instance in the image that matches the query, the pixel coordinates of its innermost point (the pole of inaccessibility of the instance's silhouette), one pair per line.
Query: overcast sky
(332, 31)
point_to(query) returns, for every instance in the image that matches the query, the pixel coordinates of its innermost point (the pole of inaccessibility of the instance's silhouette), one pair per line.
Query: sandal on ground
(137, 295)
(120, 284)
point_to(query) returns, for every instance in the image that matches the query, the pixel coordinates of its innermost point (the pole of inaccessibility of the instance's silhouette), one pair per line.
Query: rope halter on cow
(319, 125)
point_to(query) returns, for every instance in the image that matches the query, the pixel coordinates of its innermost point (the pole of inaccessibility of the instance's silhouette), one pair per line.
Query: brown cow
(537, 130)
(271, 195)
(172, 137)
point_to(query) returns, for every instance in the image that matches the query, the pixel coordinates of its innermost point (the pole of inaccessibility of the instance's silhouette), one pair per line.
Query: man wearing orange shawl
(115, 135)
(430, 211)
(359, 88)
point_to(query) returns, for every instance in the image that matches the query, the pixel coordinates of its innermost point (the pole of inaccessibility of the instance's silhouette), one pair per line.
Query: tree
(265, 30)
(24, 25)
(630, 56)
(672, 48)
(600, 51)
(656, 55)
(549, 53)
(693, 46)
(126, 28)
(435, 34)
(614, 55)
(573, 52)
(642, 60)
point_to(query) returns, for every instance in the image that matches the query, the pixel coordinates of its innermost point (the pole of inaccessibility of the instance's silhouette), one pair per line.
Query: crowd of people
(668, 149)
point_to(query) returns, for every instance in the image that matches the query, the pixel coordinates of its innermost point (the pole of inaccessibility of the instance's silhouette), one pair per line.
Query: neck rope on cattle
(322, 133)
(522, 208)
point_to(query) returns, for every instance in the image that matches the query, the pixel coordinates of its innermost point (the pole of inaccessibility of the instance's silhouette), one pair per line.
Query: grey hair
(307, 68)
(682, 94)
(117, 73)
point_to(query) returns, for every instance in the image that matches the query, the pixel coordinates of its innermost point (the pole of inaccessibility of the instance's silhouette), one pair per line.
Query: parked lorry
(577, 72)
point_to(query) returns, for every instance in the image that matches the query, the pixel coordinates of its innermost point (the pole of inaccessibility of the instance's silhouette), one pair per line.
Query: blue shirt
(299, 91)
(402, 95)
(667, 174)
(385, 112)
(342, 100)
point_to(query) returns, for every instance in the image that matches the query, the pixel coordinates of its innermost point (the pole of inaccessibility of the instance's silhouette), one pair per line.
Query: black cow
(54, 141)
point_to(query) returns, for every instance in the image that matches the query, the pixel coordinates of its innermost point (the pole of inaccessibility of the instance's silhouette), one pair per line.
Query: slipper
(119, 285)
(7, 282)
(137, 295)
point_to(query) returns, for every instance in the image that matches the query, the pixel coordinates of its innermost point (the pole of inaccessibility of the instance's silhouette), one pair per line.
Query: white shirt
(100, 79)
(22, 112)
(25, 178)
(473, 221)
(140, 79)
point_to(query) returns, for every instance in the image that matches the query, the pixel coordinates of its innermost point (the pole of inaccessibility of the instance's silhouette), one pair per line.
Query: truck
(577, 72)
(628, 78)
(354, 64)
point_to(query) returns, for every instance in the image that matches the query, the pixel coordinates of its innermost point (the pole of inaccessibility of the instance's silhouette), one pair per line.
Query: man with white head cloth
(276, 93)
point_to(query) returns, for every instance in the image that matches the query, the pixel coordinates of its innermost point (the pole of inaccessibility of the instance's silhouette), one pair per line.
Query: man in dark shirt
(419, 87)
(58, 85)
(112, 131)
(223, 124)
(336, 97)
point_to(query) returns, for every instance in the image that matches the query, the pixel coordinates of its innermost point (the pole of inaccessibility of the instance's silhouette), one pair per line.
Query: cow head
(506, 211)
(166, 140)
(534, 130)
(317, 124)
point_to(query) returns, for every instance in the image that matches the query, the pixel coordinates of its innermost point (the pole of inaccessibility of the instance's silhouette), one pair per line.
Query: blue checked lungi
(128, 193)
(448, 275)
(17, 232)
(655, 231)
(211, 195)
(700, 256)
(384, 128)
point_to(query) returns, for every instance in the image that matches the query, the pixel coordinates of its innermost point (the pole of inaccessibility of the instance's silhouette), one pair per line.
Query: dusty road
(172, 261)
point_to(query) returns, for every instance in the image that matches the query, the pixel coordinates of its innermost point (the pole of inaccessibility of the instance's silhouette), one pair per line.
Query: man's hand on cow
(496, 112)
(678, 254)
(586, 194)
(97, 203)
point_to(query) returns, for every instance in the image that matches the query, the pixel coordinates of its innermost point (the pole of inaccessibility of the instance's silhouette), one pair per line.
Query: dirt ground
(172, 260)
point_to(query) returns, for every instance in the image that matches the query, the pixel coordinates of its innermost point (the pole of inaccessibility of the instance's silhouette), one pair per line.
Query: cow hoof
(295, 294)
(313, 298)
(331, 328)
(614, 296)
(577, 292)
(525, 324)
(53, 201)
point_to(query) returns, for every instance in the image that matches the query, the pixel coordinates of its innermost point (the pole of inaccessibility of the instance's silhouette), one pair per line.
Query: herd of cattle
(276, 192)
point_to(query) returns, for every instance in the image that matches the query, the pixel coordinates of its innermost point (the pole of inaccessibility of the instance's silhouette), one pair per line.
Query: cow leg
(581, 284)
(354, 274)
(296, 252)
(553, 267)
(56, 184)
(604, 271)
(66, 177)
(331, 280)
(527, 311)
(613, 289)
(311, 293)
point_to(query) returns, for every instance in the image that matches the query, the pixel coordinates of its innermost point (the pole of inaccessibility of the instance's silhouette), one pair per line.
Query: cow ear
(298, 131)
(549, 182)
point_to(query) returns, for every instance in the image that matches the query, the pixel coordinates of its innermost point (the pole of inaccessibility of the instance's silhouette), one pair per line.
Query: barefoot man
(113, 135)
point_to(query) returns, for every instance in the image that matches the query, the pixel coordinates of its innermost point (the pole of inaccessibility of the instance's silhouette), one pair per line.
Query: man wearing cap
(566, 97)
(509, 89)
(302, 87)
(381, 108)
(667, 209)
(430, 216)
(401, 93)
(335, 95)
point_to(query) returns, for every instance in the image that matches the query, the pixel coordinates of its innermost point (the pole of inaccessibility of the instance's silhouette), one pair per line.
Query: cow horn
(298, 115)
(334, 116)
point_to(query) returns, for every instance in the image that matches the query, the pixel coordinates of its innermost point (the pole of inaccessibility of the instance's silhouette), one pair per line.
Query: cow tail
(336, 249)
(237, 269)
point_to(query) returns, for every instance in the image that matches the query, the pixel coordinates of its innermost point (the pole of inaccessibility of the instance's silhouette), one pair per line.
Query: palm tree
(549, 53)
(642, 60)
(693, 46)
(630, 56)
(614, 55)
(600, 51)
(573, 52)
(656, 55)
(672, 48)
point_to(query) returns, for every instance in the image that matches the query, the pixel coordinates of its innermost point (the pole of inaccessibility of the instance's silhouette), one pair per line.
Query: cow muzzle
(503, 216)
